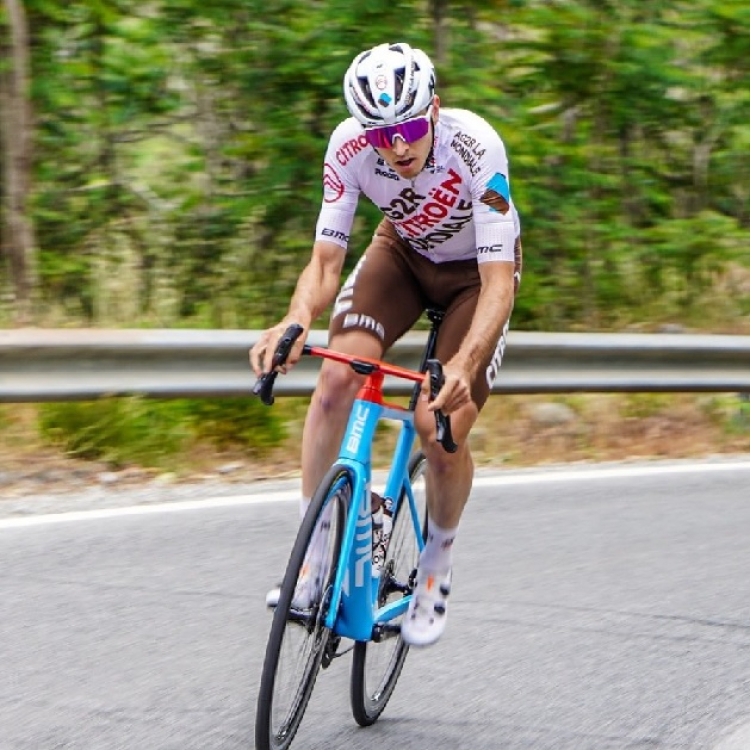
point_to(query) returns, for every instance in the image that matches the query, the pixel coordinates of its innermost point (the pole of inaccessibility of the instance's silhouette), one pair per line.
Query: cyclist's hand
(455, 393)
(261, 354)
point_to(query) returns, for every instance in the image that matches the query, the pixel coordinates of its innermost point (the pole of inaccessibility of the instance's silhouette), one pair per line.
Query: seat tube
(435, 316)
(399, 462)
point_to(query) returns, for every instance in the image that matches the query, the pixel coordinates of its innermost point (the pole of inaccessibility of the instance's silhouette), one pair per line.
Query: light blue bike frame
(353, 612)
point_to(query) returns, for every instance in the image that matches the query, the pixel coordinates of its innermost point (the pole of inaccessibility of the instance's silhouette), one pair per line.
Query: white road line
(145, 510)
(501, 480)
(615, 472)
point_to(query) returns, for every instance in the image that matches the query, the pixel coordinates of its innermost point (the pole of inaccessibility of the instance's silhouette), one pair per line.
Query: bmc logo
(358, 427)
(335, 234)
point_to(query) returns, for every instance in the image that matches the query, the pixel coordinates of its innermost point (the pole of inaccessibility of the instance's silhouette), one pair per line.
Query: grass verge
(243, 440)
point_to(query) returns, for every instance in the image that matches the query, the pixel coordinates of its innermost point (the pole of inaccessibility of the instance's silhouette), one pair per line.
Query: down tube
(347, 543)
(350, 614)
(353, 584)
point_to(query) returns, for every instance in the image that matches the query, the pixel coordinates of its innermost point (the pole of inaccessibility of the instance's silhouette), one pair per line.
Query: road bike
(332, 593)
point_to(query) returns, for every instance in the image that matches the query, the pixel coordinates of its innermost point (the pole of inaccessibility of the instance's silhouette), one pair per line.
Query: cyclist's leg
(330, 405)
(448, 480)
(378, 302)
(449, 476)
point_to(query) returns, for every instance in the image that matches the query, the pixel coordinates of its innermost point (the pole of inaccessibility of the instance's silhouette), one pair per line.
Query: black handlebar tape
(264, 385)
(442, 422)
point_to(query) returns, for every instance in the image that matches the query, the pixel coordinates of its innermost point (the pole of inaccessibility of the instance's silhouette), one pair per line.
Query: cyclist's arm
(493, 310)
(316, 289)
(318, 283)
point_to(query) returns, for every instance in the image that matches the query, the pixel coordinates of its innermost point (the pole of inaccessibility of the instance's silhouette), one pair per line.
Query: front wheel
(298, 638)
(376, 666)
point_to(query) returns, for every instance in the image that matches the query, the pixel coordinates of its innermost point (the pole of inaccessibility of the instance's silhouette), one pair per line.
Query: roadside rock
(551, 414)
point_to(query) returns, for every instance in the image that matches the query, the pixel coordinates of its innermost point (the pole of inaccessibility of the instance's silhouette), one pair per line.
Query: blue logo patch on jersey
(497, 194)
(384, 100)
(499, 184)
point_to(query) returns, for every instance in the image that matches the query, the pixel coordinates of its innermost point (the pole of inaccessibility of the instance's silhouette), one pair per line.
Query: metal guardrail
(76, 364)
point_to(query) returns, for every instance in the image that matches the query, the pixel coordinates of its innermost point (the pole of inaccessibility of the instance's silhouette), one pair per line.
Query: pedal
(392, 585)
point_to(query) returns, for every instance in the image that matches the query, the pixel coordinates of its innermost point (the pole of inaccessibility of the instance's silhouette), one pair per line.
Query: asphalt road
(590, 612)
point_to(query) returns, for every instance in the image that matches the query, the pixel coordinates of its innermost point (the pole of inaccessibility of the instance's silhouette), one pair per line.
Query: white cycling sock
(319, 544)
(437, 554)
(304, 504)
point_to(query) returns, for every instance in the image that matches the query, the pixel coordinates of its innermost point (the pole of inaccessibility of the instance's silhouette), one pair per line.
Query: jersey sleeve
(495, 217)
(340, 192)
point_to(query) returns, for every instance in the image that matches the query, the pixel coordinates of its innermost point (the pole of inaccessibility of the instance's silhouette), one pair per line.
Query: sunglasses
(410, 130)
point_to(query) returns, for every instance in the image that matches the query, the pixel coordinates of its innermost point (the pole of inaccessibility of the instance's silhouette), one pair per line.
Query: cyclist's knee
(462, 421)
(337, 383)
(337, 386)
(444, 466)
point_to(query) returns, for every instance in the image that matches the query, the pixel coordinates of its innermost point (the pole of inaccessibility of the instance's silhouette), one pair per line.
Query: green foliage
(157, 433)
(731, 412)
(243, 422)
(119, 431)
(644, 405)
(179, 148)
(741, 421)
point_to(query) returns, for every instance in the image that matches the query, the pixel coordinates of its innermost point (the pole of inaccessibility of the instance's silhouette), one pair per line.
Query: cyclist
(450, 237)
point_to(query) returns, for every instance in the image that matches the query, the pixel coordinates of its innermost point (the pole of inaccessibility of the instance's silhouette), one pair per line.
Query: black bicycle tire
(265, 739)
(366, 709)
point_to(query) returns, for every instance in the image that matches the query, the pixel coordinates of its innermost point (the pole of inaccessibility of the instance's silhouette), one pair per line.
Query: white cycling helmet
(388, 84)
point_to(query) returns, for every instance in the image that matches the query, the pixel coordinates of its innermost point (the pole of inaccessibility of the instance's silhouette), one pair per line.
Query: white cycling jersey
(458, 207)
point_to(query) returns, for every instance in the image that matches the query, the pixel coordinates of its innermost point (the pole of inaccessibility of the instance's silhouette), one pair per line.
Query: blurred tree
(17, 236)
(179, 147)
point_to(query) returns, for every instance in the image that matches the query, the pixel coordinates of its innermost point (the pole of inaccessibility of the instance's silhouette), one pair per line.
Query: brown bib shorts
(391, 286)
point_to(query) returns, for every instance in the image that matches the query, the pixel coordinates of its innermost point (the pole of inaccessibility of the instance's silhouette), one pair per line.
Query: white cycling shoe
(273, 596)
(426, 617)
(305, 594)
